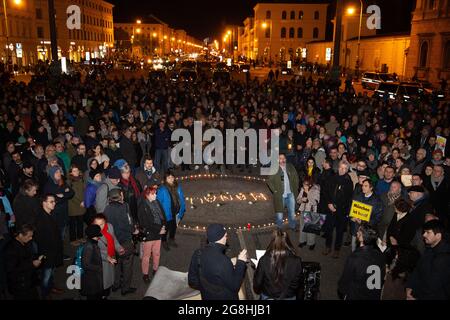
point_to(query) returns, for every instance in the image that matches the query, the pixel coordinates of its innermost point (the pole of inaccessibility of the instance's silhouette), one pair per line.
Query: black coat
(151, 219)
(92, 276)
(25, 209)
(439, 197)
(403, 230)
(21, 273)
(81, 162)
(419, 210)
(430, 279)
(118, 214)
(48, 239)
(212, 272)
(264, 281)
(128, 151)
(353, 282)
(61, 211)
(324, 182)
(340, 194)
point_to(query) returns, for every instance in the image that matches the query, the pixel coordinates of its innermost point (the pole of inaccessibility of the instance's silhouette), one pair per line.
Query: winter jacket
(403, 230)
(74, 203)
(323, 181)
(164, 198)
(340, 194)
(264, 281)
(101, 196)
(61, 211)
(162, 139)
(377, 207)
(108, 268)
(128, 151)
(353, 282)
(147, 179)
(276, 186)
(25, 209)
(92, 276)
(90, 194)
(151, 219)
(48, 239)
(430, 279)
(130, 196)
(212, 272)
(313, 199)
(21, 274)
(118, 215)
(439, 197)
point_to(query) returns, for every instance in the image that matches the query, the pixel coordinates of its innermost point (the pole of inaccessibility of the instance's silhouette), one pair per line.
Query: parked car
(187, 74)
(371, 80)
(408, 91)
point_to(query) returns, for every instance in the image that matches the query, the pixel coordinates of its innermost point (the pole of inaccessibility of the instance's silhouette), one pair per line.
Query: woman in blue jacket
(170, 196)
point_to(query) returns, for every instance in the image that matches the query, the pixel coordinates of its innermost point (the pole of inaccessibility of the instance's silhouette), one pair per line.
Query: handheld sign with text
(360, 211)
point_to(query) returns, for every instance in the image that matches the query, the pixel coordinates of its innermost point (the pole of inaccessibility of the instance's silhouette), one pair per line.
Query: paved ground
(189, 240)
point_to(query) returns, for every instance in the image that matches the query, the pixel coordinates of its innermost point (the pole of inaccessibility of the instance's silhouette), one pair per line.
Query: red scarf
(110, 241)
(133, 185)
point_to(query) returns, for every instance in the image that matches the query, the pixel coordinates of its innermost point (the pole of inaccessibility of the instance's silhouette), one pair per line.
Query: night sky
(208, 18)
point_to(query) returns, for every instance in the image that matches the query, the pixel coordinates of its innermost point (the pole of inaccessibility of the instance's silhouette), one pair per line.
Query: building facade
(279, 31)
(151, 36)
(429, 51)
(29, 29)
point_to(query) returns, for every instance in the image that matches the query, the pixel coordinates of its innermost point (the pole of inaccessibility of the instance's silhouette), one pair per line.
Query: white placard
(64, 64)
(259, 254)
(289, 64)
(54, 108)
(328, 54)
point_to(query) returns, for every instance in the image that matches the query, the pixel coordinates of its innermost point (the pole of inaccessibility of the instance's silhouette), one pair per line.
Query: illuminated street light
(351, 11)
(138, 30)
(229, 32)
(154, 34)
(17, 2)
(138, 21)
(264, 25)
(165, 37)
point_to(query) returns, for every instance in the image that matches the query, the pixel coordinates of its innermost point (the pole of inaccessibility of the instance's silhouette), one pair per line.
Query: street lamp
(8, 57)
(351, 11)
(138, 21)
(265, 25)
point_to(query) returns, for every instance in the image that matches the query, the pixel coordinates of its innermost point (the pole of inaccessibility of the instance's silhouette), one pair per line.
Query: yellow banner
(360, 211)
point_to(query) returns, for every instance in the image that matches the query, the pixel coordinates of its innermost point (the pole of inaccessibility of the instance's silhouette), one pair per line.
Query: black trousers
(123, 271)
(336, 221)
(76, 228)
(171, 228)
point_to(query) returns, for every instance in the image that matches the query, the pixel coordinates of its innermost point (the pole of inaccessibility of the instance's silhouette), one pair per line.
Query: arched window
(300, 15)
(300, 33)
(447, 55)
(316, 15)
(316, 33)
(267, 32)
(291, 33)
(283, 32)
(423, 54)
(268, 14)
(292, 15)
(283, 15)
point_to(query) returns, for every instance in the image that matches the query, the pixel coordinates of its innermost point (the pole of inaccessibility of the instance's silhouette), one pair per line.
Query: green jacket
(74, 203)
(276, 186)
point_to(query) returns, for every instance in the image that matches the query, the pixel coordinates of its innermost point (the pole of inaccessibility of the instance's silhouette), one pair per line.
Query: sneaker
(302, 244)
(326, 252)
(146, 278)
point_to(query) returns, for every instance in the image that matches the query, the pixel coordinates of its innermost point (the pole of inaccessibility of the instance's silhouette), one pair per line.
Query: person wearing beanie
(91, 262)
(211, 272)
(110, 183)
(90, 193)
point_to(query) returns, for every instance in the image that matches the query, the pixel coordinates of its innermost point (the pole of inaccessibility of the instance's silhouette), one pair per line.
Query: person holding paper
(367, 197)
(279, 275)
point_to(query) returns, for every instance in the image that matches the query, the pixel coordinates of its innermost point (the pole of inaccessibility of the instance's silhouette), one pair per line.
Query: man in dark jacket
(162, 141)
(146, 174)
(81, 159)
(212, 272)
(118, 215)
(21, 265)
(127, 148)
(363, 275)
(92, 276)
(439, 187)
(430, 279)
(49, 244)
(26, 205)
(338, 199)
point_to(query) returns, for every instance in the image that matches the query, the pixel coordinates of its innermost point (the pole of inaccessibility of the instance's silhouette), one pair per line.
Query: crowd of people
(95, 152)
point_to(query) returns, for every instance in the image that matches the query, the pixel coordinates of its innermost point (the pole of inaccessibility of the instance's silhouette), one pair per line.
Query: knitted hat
(93, 231)
(114, 173)
(94, 172)
(215, 232)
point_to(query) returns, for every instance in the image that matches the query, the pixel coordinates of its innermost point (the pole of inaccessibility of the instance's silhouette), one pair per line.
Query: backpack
(78, 259)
